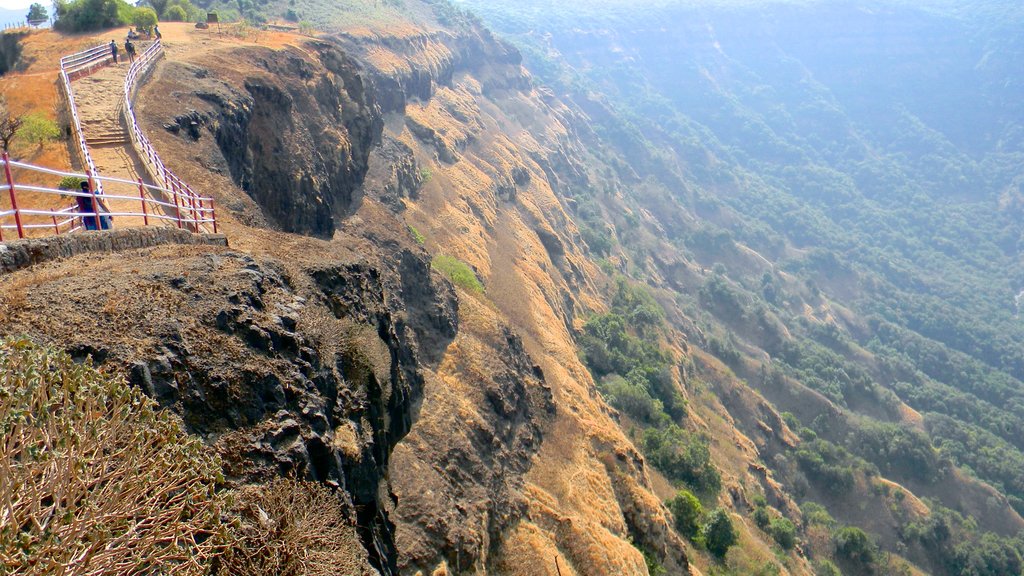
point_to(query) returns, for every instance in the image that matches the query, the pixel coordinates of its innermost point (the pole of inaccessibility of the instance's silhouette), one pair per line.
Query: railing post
(14, 199)
(56, 228)
(95, 201)
(142, 197)
(177, 209)
(213, 215)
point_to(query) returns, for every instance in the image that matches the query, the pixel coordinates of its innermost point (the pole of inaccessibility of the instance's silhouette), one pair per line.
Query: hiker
(113, 50)
(157, 30)
(129, 48)
(86, 206)
(132, 34)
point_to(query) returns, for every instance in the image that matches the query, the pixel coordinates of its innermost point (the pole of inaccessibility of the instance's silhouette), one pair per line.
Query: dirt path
(100, 101)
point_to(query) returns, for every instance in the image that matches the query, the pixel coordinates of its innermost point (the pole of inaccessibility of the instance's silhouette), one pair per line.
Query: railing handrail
(145, 149)
(70, 93)
(189, 211)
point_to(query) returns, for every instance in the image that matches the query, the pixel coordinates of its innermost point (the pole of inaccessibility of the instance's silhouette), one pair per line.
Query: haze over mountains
(869, 153)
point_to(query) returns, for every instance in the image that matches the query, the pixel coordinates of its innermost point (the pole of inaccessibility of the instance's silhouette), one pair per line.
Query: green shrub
(683, 457)
(35, 127)
(719, 533)
(826, 568)
(458, 272)
(633, 399)
(686, 510)
(95, 476)
(854, 544)
(416, 235)
(70, 183)
(762, 518)
(783, 532)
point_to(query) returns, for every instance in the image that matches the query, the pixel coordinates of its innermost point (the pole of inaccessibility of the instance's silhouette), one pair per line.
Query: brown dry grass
(291, 527)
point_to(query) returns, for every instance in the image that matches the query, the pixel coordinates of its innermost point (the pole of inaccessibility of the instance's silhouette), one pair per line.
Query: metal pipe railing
(152, 209)
(70, 65)
(158, 171)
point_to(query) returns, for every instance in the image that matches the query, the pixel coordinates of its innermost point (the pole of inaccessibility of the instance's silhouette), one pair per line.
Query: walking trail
(100, 101)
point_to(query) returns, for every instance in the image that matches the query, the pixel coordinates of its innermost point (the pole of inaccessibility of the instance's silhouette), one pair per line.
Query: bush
(826, 568)
(289, 527)
(416, 235)
(96, 479)
(783, 532)
(36, 127)
(633, 399)
(719, 533)
(686, 510)
(458, 272)
(70, 183)
(762, 518)
(683, 457)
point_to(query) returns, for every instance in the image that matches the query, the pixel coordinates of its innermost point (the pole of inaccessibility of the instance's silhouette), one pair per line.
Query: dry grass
(94, 479)
(291, 527)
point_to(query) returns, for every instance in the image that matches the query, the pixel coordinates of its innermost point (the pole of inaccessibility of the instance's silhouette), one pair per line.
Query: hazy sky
(21, 4)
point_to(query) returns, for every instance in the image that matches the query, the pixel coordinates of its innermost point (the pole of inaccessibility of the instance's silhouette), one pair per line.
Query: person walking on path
(129, 48)
(113, 50)
(87, 206)
(157, 30)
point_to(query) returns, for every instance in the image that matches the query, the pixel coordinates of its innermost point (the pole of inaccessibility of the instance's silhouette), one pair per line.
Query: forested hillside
(828, 198)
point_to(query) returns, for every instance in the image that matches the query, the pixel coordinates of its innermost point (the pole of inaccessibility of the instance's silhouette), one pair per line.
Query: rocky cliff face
(471, 445)
(293, 130)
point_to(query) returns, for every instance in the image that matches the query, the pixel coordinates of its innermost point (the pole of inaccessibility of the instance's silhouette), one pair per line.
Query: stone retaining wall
(20, 254)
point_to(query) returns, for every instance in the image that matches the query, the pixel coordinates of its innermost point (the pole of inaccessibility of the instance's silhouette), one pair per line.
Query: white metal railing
(174, 208)
(77, 64)
(86, 60)
(158, 171)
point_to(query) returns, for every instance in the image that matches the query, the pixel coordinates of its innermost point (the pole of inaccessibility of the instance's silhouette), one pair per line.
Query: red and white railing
(158, 171)
(77, 65)
(171, 209)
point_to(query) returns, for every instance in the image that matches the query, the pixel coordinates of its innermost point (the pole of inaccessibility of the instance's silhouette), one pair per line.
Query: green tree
(686, 510)
(37, 12)
(159, 6)
(719, 533)
(144, 18)
(853, 543)
(35, 127)
(84, 15)
(175, 14)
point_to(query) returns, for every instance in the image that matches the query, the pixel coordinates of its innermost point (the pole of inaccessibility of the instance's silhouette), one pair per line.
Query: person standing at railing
(113, 50)
(129, 48)
(87, 206)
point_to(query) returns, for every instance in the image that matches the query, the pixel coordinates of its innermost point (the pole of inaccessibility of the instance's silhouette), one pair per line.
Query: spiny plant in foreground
(94, 479)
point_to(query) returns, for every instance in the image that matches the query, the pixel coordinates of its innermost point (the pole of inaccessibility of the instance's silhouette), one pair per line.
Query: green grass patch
(416, 235)
(458, 272)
